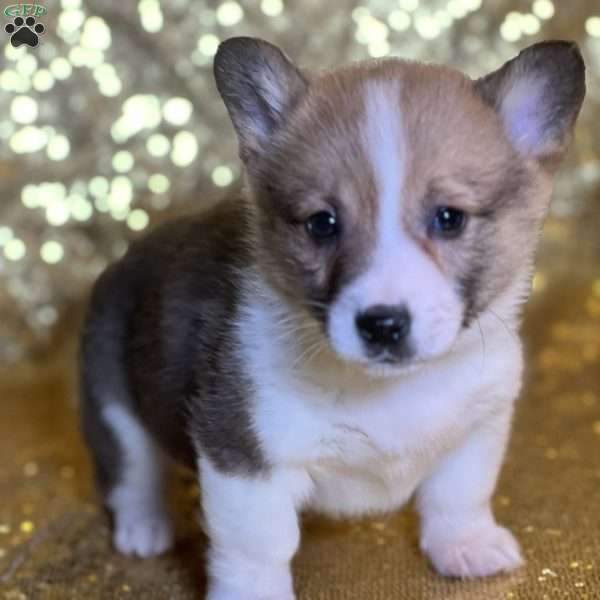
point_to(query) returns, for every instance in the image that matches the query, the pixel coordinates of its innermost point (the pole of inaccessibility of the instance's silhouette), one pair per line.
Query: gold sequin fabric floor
(54, 539)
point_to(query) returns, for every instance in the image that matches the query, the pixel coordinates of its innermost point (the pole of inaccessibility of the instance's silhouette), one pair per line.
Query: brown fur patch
(318, 163)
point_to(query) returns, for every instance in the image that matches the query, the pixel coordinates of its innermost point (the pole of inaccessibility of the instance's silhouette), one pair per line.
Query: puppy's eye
(322, 225)
(448, 222)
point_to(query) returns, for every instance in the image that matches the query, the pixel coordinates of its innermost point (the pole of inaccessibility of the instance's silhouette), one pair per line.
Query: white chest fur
(367, 442)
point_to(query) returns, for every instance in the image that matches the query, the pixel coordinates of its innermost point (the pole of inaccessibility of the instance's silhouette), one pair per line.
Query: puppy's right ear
(259, 86)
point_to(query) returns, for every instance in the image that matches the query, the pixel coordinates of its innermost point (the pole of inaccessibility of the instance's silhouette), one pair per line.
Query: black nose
(385, 326)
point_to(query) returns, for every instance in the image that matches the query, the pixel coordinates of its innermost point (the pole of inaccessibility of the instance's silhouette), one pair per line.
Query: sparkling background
(114, 119)
(113, 124)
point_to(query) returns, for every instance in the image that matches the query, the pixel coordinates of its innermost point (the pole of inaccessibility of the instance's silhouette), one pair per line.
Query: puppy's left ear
(538, 95)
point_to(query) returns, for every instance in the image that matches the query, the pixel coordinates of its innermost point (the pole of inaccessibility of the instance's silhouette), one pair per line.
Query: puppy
(344, 335)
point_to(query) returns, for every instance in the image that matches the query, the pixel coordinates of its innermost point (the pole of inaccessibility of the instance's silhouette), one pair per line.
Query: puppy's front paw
(478, 553)
(143, 535)
(223, 591)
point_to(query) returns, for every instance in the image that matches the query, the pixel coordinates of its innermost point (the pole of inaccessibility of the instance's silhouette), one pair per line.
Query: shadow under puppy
(344, 335)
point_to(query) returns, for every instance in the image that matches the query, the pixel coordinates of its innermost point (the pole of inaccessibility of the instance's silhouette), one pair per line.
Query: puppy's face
(397, 200)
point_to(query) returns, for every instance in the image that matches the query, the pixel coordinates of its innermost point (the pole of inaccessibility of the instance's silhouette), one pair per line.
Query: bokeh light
(116, 111)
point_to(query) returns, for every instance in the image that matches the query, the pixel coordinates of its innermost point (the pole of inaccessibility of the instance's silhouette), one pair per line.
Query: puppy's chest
(365, 450)
(388, 430)
(379, 456)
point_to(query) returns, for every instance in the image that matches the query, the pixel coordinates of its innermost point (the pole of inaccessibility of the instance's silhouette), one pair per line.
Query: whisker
(508, 329)
(315, 303)
(483, 347)
(293, 327)
(318, 349)
(298, 335)
(306, 354)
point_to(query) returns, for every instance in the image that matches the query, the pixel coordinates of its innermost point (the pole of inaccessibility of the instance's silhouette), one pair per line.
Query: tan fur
(319, 165)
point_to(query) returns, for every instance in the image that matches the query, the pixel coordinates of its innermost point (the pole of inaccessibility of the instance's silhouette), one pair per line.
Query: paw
(479, 553)
(143, 536)
(219, 591)
(244, 586)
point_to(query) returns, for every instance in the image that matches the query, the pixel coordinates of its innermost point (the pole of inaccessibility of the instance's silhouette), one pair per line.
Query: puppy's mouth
(391, 367)
(387, 357)
(388, 364)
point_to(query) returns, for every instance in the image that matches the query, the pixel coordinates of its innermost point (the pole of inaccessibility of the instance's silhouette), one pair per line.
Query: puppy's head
(396, 200)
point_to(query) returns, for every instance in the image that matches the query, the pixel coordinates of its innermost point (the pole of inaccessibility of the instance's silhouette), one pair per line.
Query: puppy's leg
(459, 532)
(142, 523)
(253, 527)
(129, 467)
(130, 471)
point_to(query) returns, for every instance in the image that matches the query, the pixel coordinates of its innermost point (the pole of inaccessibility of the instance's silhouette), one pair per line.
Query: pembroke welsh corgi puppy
(344, 335)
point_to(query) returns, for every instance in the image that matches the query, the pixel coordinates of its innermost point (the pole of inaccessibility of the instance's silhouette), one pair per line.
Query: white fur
(346, 444)
(400, 273)
(142, 525)
(458, 529)
(253, 529)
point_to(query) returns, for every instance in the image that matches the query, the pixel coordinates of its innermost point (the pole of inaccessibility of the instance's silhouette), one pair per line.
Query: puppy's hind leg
(130, 471)
(129, 466)
(142, 525)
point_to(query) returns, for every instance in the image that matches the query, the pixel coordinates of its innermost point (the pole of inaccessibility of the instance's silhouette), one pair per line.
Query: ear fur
(538, 95)
(259, 86)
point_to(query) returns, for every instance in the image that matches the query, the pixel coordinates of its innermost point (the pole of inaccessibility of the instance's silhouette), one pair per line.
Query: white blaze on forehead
(398, 271)
(385, 147)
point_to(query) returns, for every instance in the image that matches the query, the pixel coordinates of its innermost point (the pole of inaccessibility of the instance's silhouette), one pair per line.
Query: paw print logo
(24, 31)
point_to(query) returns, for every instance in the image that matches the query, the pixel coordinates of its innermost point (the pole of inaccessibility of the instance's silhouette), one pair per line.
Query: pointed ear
(259, 86)
(538, 95)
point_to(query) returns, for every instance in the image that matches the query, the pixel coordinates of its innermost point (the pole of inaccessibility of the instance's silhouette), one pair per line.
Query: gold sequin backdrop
(112, 124)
